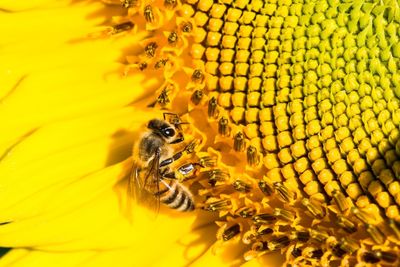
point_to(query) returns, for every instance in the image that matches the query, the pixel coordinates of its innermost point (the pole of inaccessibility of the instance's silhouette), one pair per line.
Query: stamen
(265, 188)
(217, 205)
(150, 49)
(207, 161)
(252, 157)
(284, 214)
(376, 234)
(148, 13)
(197, 96)
(197, 76)
(340, 200)
(231, 232)
(223, 128)
(125, 26)
(212, 108)
(172, 38)
(278, 243)
(215, 176)
(170, 3)
(284, 192)
(264, 218)
(346, 224)
(313, 208)
(238, 142)
(241, 186)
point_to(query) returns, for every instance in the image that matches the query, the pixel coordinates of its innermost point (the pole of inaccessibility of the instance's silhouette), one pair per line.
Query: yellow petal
(37, 101)
(48, 28)
(28, 258)
(10, 5)
(176, 251)
(63, 152)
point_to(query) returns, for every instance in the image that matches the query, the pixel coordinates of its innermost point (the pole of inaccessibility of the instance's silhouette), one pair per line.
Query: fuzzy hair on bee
(154, 178)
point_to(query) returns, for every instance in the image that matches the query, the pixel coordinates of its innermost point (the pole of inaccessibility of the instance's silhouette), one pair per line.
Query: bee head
(162, 128)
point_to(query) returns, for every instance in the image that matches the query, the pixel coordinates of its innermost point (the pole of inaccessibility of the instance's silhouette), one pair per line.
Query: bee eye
(168, 132)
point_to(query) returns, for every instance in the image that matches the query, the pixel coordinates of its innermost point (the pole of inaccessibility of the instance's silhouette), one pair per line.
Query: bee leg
(179, 139)
(168, 161)
(169, 175)
(188, 149)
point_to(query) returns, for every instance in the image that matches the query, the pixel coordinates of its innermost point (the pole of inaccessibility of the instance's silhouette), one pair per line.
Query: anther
(346, 224)
(284, 214)
(337, 250)
(376, 234)
(231, 232)
(385, 256)
(316, 210)
(223, 127)
(246, 212)
(170, 3)
(215, 176)
(172, 38)
(212, 107)
(340, 200)
(265, 188)
(284, 192)
(395, 226)
(264, 218)
(241, 186)
(238, 142)
(217, 205)
(278, 243)
(348, 245)
(150, 49)
(317, 254)
(163, 98)
(360, 215)
(302, 236)
(197, 76)
(207, 161)
(187, 27)
(148, 13)
(252, 157)
(161, 63)
(197, 96)
(125, 26)
(142, 66)
(319, 235)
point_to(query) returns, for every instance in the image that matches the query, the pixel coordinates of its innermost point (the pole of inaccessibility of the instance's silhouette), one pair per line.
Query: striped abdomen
(176, 196)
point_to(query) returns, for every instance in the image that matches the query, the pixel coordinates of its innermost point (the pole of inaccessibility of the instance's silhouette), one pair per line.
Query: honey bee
(153, 180)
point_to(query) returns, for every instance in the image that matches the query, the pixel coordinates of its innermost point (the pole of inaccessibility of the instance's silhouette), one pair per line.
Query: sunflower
(293, 107)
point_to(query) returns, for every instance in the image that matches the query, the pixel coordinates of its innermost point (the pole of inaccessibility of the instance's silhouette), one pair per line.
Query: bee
(153, 180)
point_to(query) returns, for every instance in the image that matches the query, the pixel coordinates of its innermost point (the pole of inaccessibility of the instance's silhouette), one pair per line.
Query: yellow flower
(294, 106)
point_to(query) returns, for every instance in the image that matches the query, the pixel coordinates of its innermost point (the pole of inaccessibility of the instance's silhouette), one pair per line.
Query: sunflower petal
(62, 153)
(13, 6)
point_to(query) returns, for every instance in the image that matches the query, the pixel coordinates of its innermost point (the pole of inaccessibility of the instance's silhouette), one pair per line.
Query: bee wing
(146, 190)
(152, 184)
(135, 186)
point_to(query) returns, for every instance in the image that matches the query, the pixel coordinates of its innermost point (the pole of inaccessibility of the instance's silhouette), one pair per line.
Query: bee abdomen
(178, 197)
